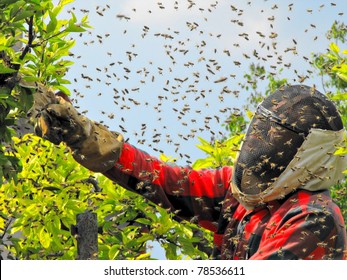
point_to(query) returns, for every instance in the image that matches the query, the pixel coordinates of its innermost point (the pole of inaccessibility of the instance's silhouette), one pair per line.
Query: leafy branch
(40, 61)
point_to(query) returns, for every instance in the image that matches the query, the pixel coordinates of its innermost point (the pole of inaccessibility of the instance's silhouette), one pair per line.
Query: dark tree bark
(86, 232)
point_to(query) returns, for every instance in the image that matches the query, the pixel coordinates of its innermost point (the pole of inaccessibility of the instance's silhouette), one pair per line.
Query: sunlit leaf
(44, 238)
(53, 23)
(65, 2)
(6, 70)
(334, 48)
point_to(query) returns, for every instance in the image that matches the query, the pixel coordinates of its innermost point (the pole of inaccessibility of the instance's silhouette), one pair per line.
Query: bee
(194, 219)
(120, 16)
(220, 80)
(200, 200)
(322, 244)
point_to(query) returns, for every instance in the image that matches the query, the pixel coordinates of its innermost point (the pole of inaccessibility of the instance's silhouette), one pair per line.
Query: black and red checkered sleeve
(194, 195)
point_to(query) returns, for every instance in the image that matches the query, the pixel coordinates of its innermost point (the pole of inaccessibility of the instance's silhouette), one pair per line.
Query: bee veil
(289, 144)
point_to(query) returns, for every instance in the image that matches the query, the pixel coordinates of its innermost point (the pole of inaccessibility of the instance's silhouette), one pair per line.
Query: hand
(60, 122)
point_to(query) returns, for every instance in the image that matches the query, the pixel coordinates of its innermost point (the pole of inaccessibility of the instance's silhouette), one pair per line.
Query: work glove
(92, 144)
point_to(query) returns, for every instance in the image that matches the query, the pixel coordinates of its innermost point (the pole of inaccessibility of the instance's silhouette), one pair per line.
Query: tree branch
(7, 225)
(94, 183)
(31, 37)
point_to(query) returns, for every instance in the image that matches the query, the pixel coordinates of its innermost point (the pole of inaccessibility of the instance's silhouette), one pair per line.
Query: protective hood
(314, 167)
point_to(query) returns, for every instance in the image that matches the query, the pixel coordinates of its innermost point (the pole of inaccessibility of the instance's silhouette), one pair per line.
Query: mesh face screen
(277, 130)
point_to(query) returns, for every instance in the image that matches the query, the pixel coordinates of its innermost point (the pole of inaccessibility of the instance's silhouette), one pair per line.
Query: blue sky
(136, 53)
(155, 64)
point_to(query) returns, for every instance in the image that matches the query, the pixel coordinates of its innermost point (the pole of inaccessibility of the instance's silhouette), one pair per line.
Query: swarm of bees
(165, 72)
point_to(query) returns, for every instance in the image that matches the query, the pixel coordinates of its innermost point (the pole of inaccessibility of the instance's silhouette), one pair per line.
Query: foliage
(332, 67)
(36, 213)
(252, 83)
(219, 153)
(337, 32)
(35, 25)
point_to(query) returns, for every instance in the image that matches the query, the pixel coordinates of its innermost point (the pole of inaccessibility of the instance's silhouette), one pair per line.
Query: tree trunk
(86, 232)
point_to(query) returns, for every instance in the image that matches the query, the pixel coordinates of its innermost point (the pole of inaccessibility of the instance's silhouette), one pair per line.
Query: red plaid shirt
(303, 225)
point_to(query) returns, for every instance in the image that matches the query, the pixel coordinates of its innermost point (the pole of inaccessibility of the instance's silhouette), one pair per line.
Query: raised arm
(193, 194)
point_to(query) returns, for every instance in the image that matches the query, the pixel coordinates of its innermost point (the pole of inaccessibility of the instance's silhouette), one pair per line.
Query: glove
(92, 144)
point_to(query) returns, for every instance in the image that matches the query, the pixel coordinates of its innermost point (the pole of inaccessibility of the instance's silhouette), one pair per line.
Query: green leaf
(75, 28)
(166, 158)
(23, 15)
(339, 96)
(6, 70)
(331, 56)
(65, 2)
(56, 11)
(334, 48)
(340, 68)
(44, 238)
(143, 256)
(187, 231)
(3, 48)
(144, 221)
(52, 24)
(6, 2)
(26, 100)
(27, 82)
(204, 163)
(145, 237)
(171, 251)
(205, 146)
(249, 114)
(63, 89)
(342, 76)
(341, 151)
(65, 63)
(16, 7)
(114, 252)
